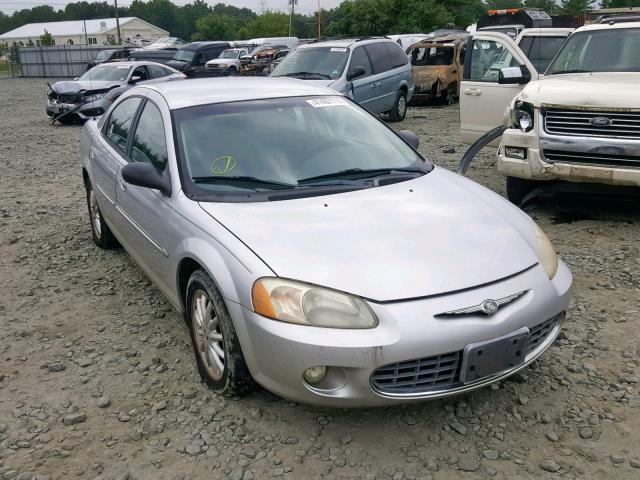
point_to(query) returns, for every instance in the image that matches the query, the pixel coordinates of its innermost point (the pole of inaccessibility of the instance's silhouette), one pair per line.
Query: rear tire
(519, 188)
(100, 231)
(399, 110)
(218, 353)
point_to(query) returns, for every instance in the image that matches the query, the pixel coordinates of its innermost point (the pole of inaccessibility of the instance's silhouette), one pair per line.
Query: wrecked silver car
(91, 94)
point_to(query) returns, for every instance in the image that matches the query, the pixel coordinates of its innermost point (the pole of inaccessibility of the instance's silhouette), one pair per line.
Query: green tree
(269, 24)
(574, 7)
(215, 27)
(46, 39)
(549, 6)
(111, 39)
(619, 3)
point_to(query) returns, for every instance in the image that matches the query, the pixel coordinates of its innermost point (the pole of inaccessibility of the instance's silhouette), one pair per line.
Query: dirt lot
(98, 380)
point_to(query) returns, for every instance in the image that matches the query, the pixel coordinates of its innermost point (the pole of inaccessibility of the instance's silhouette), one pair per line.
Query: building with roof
(92, 32)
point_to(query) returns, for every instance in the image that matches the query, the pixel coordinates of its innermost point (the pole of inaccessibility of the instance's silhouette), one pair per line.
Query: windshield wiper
(306, 74)
(575, 70)
(360, 173)
(240, 180)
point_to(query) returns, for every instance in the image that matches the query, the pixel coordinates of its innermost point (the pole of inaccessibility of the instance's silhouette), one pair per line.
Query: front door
(362, 91)
(146, 213)
(483, 100)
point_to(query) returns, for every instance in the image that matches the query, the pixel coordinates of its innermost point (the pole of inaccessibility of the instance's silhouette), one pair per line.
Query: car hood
(76, 86)
(218, 61)
(435, 234)
(585, 90)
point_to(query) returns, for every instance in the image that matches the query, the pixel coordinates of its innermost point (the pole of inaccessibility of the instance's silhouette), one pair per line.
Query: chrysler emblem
(487, 307)
(600, 121)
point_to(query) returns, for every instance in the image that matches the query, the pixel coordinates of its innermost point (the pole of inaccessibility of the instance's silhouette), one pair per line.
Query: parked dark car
(110, 55)
(192, 58)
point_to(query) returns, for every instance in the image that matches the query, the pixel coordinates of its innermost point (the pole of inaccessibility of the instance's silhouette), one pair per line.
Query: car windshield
(229, 54)
(267, 144)
(115, 73)
(607, 50)
(315, 63)
(103, 55)
(184, 55)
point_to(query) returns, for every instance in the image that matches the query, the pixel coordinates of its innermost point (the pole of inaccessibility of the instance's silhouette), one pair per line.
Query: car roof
(345, 42)
(605, 26)
(197, 45)
(131, 63)
(206, 91)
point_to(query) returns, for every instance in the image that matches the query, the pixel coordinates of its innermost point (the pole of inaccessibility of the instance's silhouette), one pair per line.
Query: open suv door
(484, 95)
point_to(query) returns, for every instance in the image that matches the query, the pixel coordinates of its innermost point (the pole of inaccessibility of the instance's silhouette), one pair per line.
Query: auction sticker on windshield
(327, 102)
(338, 49)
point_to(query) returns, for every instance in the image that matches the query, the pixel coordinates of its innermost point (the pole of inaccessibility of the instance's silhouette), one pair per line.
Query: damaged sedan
(93, 93)
(436, 65)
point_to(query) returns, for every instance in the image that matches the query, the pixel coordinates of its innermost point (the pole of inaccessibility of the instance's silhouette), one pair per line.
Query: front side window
(112, 73)
(609, 50)
(487, 58)
(314, 63)
(149, 142)
(119, 124)
(283, 142)
(359, 58)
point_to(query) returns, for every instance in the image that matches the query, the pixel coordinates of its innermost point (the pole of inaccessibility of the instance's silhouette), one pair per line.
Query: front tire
(218, 353)
(399, 110)
(100, 231)
(519, 188)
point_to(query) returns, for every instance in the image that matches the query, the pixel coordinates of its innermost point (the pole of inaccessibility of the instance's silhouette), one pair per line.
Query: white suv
(579, 122)
(228, 62)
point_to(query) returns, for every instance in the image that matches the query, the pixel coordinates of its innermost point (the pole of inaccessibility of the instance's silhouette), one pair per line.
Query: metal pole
(291, 15)
(86, 38)
(319, 18)
(118, 23)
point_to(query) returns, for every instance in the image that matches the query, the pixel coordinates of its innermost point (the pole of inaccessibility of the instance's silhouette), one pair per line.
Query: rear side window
(541, 50)
(119, 124)
(396, 55)
(149, 142)
(379, 56)
(156, 71)
(359, 58)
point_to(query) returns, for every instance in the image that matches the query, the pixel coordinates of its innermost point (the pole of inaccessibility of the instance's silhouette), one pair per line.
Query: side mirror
(514, 75)
(75, 79)
(146, 175)
(135, 79)
(410, 137)
(357, 72)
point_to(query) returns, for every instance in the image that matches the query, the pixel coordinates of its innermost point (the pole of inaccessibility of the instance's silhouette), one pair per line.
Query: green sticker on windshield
(223, 165)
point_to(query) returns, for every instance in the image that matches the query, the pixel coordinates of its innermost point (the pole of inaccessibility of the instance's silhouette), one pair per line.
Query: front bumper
(278, 353)
(566, 162)
(82, 112)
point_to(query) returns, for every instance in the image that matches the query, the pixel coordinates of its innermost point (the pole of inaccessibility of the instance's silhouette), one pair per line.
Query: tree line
(200, 21)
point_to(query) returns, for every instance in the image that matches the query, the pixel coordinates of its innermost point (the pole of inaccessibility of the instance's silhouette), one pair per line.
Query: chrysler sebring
(312, 249)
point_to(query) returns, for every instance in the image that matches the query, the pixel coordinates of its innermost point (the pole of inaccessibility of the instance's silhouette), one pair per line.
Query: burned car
(91, 94)
(436, 66)
(261, 61)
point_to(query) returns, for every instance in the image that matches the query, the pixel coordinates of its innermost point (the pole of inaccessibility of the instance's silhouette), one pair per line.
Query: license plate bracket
(483, 359)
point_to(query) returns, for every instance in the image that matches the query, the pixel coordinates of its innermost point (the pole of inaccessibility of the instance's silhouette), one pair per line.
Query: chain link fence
(56, 61)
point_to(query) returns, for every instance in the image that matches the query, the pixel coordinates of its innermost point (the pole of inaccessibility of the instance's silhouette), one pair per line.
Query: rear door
(379, 83)
(483, 100)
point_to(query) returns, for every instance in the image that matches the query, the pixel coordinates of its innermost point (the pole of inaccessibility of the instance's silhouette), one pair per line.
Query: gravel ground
(98, 380)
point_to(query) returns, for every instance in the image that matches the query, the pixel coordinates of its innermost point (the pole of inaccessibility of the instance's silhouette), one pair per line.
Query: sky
(304, 6)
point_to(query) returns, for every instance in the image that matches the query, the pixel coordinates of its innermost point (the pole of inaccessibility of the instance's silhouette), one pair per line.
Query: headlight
(522, 116)
(546, 253)
(304, 304)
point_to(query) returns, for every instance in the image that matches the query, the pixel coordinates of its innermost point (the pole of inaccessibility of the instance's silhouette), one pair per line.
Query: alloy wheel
(207, 334)
(94, 213)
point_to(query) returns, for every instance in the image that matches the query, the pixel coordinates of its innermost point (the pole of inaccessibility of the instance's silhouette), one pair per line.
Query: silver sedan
(312, 249)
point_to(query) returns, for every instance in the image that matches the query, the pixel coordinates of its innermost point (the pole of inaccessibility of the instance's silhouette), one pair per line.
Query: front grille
(440, 372)
(592, 123)
(596, 159)
(69, 98)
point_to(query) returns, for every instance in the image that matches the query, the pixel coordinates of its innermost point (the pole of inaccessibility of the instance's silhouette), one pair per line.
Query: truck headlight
(305, 304)
(546, 253)
(522, 116)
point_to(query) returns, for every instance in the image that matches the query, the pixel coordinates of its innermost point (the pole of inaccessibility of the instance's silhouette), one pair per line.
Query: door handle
(92, 153)
(473, 91)
(376, 84)
(123, 185)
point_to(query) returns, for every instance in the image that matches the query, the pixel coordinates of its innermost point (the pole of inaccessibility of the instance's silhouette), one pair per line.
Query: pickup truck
(577, 122)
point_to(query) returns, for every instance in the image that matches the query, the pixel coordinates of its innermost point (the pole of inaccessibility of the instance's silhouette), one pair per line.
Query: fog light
(516, 152)
(315, 375)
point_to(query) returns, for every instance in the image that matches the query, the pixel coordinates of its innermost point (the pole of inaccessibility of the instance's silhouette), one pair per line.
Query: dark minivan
(191, 58)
